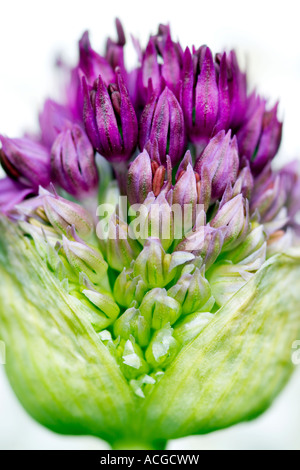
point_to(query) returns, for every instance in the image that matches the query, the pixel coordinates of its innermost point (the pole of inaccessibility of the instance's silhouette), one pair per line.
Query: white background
(266, 35)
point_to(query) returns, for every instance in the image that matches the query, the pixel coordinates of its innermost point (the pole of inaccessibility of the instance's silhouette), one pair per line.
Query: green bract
(68, 377)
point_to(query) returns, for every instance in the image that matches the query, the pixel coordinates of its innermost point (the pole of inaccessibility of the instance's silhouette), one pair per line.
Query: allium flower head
(149, 249)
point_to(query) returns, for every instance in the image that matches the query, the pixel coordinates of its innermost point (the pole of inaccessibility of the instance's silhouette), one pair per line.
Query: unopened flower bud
(220, 159)
(132, 323)
(110, 119)
(234, 215)
(26, 161)
(193, 293)
(122, 248)
(128, 288)
(159, 309)
(206, 242)
(131, 359)
(62, 213)
(162, 348)
(156, 267)
(73, 162)
(162, 120)
(85, 259)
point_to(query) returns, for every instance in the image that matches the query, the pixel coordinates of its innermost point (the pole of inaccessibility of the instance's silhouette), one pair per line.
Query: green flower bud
(159, 309)
(121, 248)
(128, 288)
(162, 348)
(100, 309)
(131, 359)
(157, 268)
(132, 323)
(62, 213)
(86, 259)
(193, 293)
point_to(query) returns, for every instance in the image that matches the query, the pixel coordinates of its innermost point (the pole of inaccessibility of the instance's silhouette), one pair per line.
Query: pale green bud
(156, 267)
(162, 348)
(88, 260)
(121, 248)
(100, 309)
(193, 293)
(131, 359)
(62, 213)
(132, 323)
(159, 309)
(128, 288)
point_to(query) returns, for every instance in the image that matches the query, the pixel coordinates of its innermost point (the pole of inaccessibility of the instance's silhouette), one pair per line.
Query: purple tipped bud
(147, 176)
(249, 134)
(200, 99)
(85, 259)
(139, 178)
(162, 121)
(206, 242)
(25, 161)
(115, 50)
(150, 71)
(218, 165)
(53, 119)
(269, 140)
(110, 120)
(73, 162)
(270, 194)
(237, 87)
(245, 182)
(62, 213)
(92, 64)
(185, 192)
(234, 215)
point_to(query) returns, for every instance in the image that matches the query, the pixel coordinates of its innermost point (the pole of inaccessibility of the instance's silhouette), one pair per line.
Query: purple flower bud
(245, 182)
(200, 99)
(206, 242)
(93, 64)
(218, 165)
(26, 161)
(185, 192)
(162, 120)
(269, 195)
(234, 215)
(73, 162)
(237, 88)
(11, 194)
(260, 136)
(146, 176)
(139, 178)
(53, 119)
(115, 50)
(150, 70)
(269, 140)
(110, 119)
